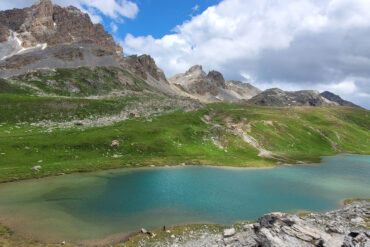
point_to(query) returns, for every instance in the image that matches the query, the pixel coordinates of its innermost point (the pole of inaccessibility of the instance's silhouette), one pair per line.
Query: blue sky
(290, 44)
(158, 17)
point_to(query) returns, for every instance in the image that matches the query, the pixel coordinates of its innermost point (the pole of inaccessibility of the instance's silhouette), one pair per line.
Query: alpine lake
(97, 205)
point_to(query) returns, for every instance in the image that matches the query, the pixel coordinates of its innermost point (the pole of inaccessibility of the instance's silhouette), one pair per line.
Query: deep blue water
(97, 205)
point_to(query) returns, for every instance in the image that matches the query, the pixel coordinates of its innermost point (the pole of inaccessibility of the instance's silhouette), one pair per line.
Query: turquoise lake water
(96, 205)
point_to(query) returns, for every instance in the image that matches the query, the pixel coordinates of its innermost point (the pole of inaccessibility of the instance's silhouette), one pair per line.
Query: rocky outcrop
(211, 87)
(336, 98)
(336, 228)
(4, 33)
(278, 97)
(49, 36)
(60, 56)
(242, 90)
(145, 68)
(45, 23)
(346, 227)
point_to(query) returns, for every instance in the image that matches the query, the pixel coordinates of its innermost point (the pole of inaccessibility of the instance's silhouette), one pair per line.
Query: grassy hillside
(82, 81)
(208, 136)
(47, 120)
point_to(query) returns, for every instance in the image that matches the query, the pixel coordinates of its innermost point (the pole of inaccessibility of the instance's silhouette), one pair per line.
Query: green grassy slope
(302, 133)
(82, 81)
(216, 134)
(295, 134)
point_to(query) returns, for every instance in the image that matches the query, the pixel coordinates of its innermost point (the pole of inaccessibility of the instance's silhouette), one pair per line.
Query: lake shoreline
(41, 196)
(277, 164)
(130, 239)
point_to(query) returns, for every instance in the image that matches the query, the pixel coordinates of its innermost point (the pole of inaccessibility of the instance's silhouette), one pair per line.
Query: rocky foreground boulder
(345, 227)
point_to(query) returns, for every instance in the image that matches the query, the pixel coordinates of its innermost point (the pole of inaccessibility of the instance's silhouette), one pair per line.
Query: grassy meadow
(298, 134)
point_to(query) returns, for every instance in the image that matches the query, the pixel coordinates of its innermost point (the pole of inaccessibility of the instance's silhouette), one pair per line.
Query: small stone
(144, 231)
(357, 221)
(40, 161)
(347, 242)
(229, 232)
(63, 243)
(172, 236)
(361, 238)
(79, 123)
(320, 243)
(115, 143)
(36, 168)
(248, 227)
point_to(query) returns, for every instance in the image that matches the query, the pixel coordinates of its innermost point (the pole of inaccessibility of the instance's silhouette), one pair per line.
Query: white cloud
(346, 87)
(114, 9)
(114, 27)
(293, 44)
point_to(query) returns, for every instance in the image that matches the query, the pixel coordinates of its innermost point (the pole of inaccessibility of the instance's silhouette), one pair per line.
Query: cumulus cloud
(316, 44)
(114, 27)
(114, 9)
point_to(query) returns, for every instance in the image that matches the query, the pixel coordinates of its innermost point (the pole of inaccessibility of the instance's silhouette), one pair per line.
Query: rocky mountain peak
(211, 87)
(194, 69)
(143, 66)
(278, 97)
(49, 36)
(45, 23)
(44, 5)
(217, 78)
(336, 98)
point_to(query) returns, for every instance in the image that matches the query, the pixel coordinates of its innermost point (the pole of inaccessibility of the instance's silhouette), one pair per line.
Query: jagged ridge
(49, 36)
(212, 87)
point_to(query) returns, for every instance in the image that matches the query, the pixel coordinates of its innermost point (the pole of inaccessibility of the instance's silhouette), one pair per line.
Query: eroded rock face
(143, 66)
(49, 36)
(212, 87)
(336, 98)
(217, 78)
(278, 97)
(332, 229)
(45, 23)
(4, 33)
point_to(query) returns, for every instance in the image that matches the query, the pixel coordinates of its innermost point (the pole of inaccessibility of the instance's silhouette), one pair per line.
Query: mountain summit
(65, 34)
(278, 97)
(211, 87)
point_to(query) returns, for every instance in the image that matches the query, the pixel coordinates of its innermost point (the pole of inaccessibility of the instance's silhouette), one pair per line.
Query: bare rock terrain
(336, 98)
(345, 227)
(211, 87)
(278, 97)
(49, 36)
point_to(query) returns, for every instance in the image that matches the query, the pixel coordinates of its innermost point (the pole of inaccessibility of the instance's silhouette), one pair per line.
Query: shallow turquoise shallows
(97, 205)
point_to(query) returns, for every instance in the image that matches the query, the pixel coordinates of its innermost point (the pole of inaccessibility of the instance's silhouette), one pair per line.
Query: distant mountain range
(47, 36)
